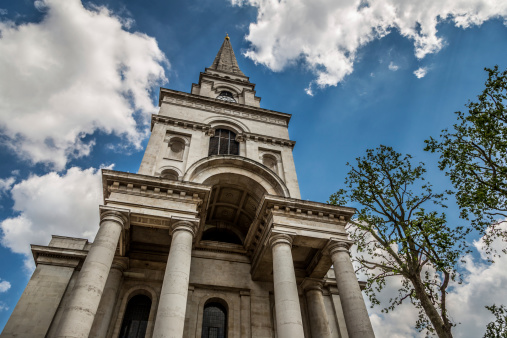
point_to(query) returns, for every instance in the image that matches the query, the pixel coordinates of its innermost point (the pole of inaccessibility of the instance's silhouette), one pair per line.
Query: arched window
(226, 96)
(136, 317)
(214, 321)
(223, 143)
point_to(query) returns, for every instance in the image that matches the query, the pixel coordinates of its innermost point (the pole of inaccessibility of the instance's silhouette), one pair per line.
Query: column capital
(184, 224)
(312, 284)
(335, 246)
(276, 238)
(118, 215)
(120, 263)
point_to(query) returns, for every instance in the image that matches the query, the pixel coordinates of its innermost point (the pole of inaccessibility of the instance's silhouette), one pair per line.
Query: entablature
(221, 107)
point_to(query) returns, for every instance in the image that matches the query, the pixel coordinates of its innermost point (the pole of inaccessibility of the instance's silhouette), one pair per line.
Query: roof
(226, 60)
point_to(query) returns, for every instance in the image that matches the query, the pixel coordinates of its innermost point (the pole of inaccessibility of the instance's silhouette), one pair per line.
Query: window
(214, 321)
(226, 96)
(136, 317)
(223, 143)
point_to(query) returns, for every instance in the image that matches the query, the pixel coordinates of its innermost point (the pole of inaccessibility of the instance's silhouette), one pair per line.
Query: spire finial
(226, 36)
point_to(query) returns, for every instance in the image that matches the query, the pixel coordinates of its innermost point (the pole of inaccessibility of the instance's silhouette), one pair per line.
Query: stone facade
(200, 225)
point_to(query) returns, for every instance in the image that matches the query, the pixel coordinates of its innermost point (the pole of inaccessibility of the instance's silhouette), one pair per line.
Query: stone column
(172, 305)
(289, 323)
(246, 331)
(80, 312)
(319, 323)
(354, 309)
(106, 307)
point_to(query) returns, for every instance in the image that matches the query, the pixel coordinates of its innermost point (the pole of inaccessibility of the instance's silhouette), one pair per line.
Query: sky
(80, 80)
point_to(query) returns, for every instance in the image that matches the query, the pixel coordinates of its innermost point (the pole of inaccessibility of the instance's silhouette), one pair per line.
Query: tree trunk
(430, 310)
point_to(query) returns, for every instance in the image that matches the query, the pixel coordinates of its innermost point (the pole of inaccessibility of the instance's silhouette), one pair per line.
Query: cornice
(58, 256)
(222, 107)
(247, 83)
(156, 187)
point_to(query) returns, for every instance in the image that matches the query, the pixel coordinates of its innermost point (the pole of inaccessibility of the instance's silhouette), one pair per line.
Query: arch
(227, 122)
(227, 87)
(135, 318)
(226, 234)
(214, 322)
(139, 289)
(231, 305)
(170, 174)
(239, 166)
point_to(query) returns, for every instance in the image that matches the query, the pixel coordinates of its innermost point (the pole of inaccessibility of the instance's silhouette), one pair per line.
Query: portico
(209, 239)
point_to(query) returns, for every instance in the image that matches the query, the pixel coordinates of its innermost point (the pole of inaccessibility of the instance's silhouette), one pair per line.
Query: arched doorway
(214, 321)
(135, 320)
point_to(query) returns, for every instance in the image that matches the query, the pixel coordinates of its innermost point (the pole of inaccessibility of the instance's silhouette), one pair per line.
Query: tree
(397, 236)
(498, 328)
(474, 156)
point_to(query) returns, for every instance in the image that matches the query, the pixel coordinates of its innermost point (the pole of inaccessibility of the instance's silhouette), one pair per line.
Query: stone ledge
(58, 256)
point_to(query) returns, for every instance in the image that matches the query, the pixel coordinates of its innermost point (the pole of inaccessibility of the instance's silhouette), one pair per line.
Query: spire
(226, 60)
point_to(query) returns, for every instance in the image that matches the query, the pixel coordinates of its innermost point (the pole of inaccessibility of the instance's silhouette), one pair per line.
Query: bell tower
(209, 239)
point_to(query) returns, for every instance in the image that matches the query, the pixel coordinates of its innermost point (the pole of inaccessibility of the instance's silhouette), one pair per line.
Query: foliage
(498, 328)
(474, 156)
(397, 236)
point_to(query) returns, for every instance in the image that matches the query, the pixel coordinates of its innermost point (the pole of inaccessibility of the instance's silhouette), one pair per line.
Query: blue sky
(363, 93)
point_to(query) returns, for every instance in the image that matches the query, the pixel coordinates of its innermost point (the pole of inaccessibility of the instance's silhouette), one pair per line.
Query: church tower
(209, 239)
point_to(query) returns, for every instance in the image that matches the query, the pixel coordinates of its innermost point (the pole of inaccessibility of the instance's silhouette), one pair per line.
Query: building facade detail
(209, 239)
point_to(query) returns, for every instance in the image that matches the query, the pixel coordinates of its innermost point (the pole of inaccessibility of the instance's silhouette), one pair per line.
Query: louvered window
(214, 321)
(136, 317)
(223, 143)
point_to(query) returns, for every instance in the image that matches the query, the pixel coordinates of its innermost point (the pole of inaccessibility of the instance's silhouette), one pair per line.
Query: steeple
(225, 60)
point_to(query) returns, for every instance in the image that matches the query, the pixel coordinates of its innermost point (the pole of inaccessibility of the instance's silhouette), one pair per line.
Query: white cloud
(421, 72)
(393, 66)
(6, 184)
(53, 204)
(3, 11)
(483, 284)
(327, 34)
(3, 306)
(4, 286)
(73, 73)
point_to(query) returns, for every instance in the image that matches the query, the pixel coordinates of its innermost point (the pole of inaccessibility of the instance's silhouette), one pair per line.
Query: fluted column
(289, 323)
(172, 305)
(319, 323)
(105, 311)
(354, 308)
(80, 312)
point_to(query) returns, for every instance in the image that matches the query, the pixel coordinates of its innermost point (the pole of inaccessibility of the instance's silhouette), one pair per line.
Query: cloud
(6, 184)
(483, 284)
(393, 67)
(76, 72)
(3, 306)
(4, 286)
(326, 34)
(421, 72)
(53, 204)
(3, 11)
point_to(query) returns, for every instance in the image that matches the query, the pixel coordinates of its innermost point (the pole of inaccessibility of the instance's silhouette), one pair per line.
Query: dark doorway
(136, 317)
